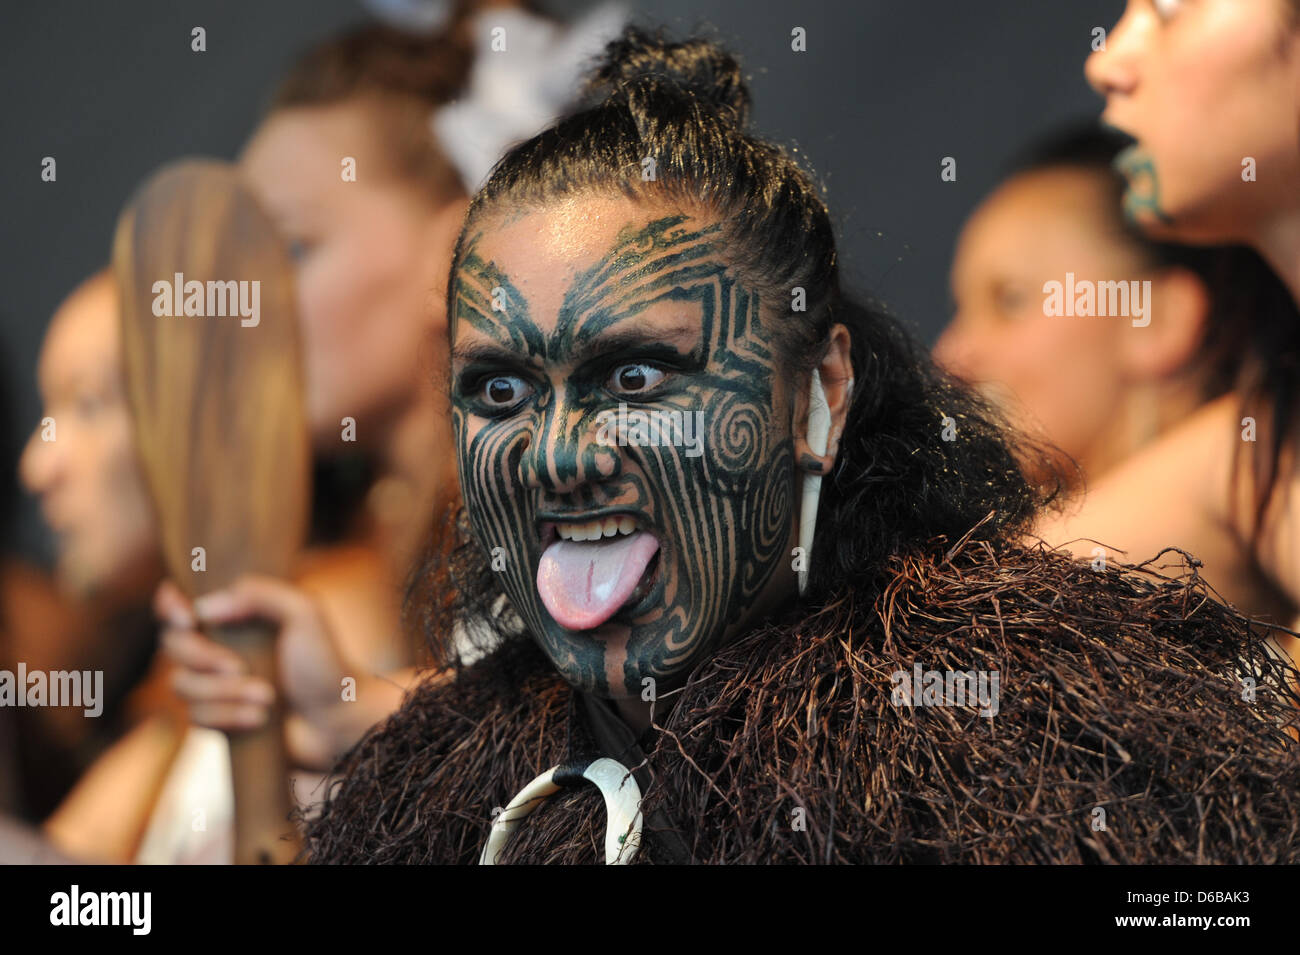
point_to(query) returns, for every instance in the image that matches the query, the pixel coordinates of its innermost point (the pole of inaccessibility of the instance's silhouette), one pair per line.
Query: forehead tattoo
(722, 517)
(662, 261)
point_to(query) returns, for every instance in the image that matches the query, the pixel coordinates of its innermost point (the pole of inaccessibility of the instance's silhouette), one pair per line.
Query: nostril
(1096, 72)
(1107, 75)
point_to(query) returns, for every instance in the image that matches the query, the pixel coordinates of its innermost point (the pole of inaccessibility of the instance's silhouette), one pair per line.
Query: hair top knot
(639, 64)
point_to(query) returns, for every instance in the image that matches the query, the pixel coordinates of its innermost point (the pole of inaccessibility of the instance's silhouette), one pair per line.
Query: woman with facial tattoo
(809, 636)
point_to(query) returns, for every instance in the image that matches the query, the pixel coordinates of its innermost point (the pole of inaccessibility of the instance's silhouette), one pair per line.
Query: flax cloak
(1127, 731)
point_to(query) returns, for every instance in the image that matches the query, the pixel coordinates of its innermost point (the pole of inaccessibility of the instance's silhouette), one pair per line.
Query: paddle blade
(216, 390)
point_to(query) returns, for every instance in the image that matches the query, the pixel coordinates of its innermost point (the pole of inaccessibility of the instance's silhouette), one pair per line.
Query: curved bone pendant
(622, 806)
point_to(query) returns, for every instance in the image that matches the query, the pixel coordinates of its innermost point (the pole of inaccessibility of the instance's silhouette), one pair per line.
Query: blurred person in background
(41, 750)
(1210, 94)
(80, 461)
(1100, 388)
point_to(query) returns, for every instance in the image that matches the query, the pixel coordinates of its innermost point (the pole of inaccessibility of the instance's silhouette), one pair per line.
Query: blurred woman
(43, 750)
(1210, 92)
(80, 462)
(1100, 388)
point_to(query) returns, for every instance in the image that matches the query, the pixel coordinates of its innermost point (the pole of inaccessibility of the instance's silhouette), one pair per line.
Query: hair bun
(639, 61)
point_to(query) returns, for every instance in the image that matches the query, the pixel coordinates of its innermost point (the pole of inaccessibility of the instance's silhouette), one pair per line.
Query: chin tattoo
(718, 510)
(1142, 197)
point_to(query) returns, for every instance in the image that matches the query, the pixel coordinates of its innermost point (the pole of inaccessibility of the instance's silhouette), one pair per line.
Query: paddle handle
(259, 762)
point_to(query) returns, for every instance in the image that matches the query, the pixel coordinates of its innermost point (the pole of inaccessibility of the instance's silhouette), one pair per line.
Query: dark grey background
(885, 90)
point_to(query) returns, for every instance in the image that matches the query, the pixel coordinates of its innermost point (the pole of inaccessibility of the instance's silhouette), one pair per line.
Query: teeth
(595, 530)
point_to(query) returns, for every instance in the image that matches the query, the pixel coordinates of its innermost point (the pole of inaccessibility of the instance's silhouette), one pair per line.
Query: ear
(1180, 310)
(836, 373)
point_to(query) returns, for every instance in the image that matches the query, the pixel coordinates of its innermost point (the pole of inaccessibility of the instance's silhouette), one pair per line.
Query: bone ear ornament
(819, 427)
(622, 806)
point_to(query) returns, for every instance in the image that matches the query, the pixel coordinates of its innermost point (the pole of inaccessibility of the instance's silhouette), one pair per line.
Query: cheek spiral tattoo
(721, 513)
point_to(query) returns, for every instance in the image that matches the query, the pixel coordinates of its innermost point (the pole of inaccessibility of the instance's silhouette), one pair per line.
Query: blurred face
(1058, 375)
(627, 561)
(91, 490)
(1203, 85)
(371, 264)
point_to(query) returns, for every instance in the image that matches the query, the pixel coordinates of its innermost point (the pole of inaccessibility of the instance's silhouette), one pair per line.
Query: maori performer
(811, 629)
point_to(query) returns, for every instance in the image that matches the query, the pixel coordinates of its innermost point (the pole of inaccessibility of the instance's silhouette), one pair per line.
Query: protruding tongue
(583, 583)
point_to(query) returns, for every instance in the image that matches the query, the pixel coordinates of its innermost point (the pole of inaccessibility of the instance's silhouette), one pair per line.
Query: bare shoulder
(1173, 493)
(1177, 484)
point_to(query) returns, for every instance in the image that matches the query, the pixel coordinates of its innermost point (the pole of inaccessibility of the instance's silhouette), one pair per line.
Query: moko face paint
(627, 559)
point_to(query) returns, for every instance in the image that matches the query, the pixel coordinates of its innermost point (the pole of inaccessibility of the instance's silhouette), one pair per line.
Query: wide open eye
(635, 378)
(500, 392)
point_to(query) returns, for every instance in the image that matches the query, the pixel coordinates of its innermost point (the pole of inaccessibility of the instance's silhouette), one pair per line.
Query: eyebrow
(623, 336)
(489, 352)
(633, 335)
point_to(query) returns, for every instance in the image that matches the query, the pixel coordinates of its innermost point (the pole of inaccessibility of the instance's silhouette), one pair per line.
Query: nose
(957, 349)
(569, 448)
(1113, 69)
(38, 466)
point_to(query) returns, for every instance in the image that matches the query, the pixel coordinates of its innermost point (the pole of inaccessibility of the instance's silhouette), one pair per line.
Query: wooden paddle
(220, 427)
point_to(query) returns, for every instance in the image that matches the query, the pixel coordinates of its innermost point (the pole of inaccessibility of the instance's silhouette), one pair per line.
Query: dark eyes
(501, 393)
(504, 391)
(635, 378)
